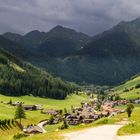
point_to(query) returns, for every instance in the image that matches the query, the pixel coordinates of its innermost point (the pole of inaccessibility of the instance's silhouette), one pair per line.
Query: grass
(52, 128)
(134, 126)
(33, 117)
(54, 135)
(49, 103)
(8, 134)
(47, 136)
(135, 114)
(16, 67)
(128, 84)
(131, 94)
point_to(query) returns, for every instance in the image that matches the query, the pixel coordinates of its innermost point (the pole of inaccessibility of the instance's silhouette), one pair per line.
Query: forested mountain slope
(106, 59)
(20, 78)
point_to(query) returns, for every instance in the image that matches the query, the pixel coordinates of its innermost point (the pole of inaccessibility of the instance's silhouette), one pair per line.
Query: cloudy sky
(88, 16)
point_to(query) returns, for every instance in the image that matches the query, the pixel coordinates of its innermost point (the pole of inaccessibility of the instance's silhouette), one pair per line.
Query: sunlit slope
(129, 89)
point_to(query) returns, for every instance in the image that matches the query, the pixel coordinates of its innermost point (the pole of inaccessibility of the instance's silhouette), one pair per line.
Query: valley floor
(106, 132)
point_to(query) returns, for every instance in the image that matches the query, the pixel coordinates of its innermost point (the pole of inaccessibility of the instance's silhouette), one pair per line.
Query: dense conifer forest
(19, 78)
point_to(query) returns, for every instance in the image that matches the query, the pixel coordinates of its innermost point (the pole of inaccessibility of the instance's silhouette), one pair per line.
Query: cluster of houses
(51, 112)
(26, 107)
(137, 101)
(88, 113)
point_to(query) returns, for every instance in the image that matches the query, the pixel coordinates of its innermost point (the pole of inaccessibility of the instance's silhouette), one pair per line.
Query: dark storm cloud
(89, 16)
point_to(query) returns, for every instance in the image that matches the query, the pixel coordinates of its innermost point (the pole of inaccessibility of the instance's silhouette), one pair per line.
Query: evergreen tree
(51, 119)
(65, 111)
(65, 124)
(129, 109)
(10, 102)
(20, 113)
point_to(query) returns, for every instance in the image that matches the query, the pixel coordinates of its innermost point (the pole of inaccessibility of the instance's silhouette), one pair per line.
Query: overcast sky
(88, 16)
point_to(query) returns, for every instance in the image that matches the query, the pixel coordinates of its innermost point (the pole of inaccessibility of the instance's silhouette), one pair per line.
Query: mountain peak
(34, 32)
(35, 36)
(60, 28)
(13, 36)
(9, 34)
(136, 21)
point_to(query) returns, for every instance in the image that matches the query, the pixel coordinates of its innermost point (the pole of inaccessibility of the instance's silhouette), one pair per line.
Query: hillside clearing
(73, 99)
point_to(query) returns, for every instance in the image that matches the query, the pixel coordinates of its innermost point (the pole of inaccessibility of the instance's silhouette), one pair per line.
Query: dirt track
(106, 132)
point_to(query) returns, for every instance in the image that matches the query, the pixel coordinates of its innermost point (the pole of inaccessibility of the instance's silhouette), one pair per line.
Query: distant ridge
(108, 58)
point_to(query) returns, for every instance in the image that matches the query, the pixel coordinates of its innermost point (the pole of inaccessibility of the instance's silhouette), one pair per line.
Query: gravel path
(106, 132)
(41, 125)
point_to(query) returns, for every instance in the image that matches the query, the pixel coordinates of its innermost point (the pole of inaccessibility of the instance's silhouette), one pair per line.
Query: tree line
(33, 81)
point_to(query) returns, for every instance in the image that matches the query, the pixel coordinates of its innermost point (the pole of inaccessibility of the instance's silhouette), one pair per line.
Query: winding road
(106, 132)
(42, 124)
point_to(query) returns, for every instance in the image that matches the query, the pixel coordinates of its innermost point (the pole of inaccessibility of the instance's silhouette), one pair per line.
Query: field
(135, 93)
(132, 128)
(134, 122)
(33, 117)
(48, 103)
(130, 83)
(132, 92)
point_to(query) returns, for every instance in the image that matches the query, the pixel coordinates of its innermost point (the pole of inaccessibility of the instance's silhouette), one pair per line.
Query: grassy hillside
(33, 117)
(48, 103)
(128, 89)
(134, 122)
(128, 84)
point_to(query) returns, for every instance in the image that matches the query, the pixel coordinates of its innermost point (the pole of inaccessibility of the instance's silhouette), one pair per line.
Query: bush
(64, 125)
(125, 90)
(102, 121)
(137, 86)
(51, 119)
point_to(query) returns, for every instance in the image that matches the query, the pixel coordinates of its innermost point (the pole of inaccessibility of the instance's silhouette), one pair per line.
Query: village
(85, 113)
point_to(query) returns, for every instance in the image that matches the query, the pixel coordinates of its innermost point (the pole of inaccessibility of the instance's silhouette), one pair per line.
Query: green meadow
(132, 92)
(34, 117)
(48, 103)
(134, 122)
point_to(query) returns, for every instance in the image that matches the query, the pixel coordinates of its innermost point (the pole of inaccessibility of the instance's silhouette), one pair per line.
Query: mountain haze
(106, 59)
